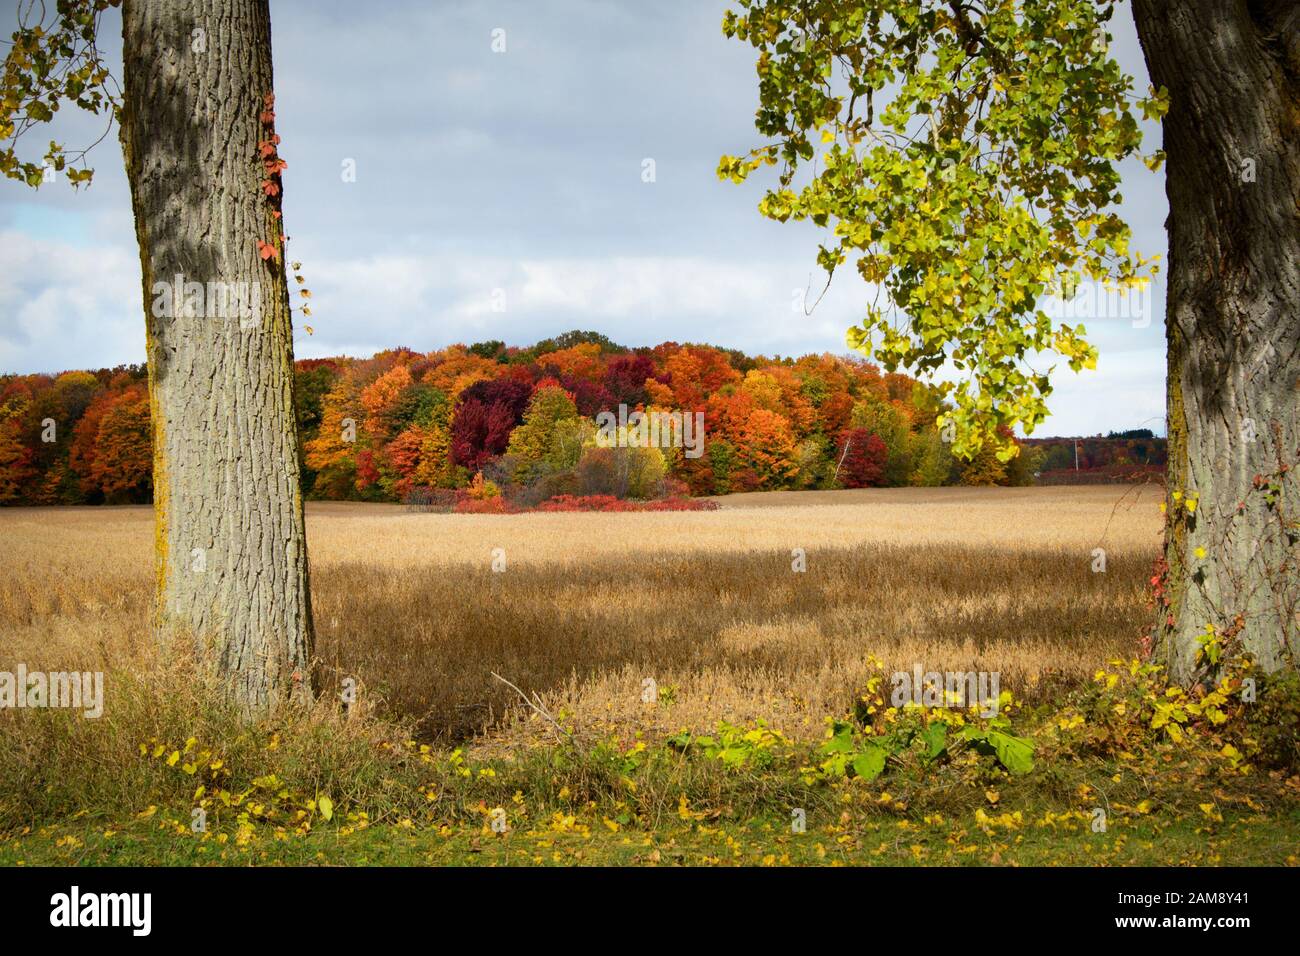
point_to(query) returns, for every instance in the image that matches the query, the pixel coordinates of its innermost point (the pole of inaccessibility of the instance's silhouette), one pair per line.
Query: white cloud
(68, 306)
(430, 300)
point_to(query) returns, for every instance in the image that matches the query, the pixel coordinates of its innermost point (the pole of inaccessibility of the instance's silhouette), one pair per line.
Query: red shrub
(610, 503)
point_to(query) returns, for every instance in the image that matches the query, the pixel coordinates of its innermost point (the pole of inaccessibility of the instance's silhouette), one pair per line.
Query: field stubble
(589, 606)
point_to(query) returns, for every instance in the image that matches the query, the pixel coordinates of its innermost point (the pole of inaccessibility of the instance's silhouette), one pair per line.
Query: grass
(1241, 840)
(704, 604)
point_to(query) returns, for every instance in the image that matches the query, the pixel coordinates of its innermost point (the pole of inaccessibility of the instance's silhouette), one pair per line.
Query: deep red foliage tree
(590, 397)
(484, 418)
(626, 377)
(863, 459)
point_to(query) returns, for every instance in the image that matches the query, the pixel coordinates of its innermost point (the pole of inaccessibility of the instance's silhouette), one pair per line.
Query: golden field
(590, 606)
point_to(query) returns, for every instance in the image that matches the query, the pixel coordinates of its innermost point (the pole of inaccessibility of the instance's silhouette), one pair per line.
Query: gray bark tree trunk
(1232, 135)
(231, 556)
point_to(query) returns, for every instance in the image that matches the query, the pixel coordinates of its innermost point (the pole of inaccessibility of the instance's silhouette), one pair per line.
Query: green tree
(934, 461)
(982, 183)
(964, 156)
(549, 438)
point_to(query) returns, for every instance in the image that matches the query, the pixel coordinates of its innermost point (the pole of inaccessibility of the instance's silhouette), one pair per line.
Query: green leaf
(679, 741)
(871, 762)
(936, 739)
(842, 740)
(1014, 753)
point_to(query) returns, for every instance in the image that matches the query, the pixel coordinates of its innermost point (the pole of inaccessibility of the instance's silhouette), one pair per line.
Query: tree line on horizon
(1134, 455)
(520, 419)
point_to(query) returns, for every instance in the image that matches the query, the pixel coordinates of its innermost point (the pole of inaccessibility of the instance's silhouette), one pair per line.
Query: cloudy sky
(513, 176)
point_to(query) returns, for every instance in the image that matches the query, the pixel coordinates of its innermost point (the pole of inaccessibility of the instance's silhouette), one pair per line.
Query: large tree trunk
(1232, 136)
(231, 559)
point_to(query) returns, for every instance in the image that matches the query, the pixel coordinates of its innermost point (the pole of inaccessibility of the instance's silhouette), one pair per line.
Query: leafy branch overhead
(963, 156)
(48, 63)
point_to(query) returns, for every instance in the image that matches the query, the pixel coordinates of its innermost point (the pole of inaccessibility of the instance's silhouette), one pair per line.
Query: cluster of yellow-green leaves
(964, 156)
(47, 64)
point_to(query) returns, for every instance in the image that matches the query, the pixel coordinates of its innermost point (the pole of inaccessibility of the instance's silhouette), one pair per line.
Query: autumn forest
(519, 425)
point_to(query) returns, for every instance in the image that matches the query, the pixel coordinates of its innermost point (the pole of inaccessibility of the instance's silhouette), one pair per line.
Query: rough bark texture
(231, 559)
(1232, 136)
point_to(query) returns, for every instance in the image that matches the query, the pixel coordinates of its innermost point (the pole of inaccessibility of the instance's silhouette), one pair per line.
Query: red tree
(484, 418)
(863, 458)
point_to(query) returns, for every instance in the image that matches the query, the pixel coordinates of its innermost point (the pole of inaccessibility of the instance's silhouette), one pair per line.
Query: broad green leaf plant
(963, 156)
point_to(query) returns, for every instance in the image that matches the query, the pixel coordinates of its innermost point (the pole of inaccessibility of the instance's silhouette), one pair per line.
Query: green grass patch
(1239, 840)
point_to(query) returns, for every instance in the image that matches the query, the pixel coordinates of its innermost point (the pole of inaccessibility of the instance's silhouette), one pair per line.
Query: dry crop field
(584, 608)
